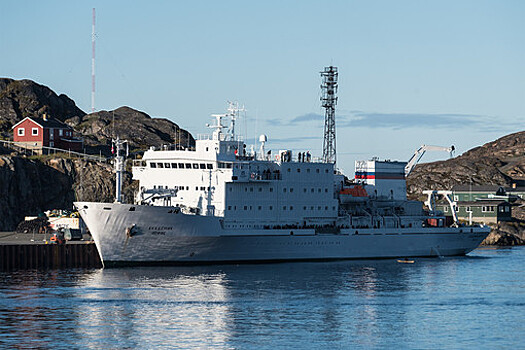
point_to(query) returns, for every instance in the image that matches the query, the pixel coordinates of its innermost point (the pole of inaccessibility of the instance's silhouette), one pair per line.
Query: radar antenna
(329, 101)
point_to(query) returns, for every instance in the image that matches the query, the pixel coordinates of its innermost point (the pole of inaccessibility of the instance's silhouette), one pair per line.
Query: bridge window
(202, 166)
(188, 165)
(209, 166)
(195, 166)
(174, 165)
(160, 165)
(167, 165)
(153, 165)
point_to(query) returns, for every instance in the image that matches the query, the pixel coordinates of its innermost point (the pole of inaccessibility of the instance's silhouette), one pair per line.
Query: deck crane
(418, 154)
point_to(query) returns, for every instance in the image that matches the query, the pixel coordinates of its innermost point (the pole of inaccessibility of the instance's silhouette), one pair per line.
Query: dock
(34, 251)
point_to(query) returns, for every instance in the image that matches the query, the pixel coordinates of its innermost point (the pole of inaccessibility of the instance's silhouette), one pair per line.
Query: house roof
(49, 123)
(477, 188)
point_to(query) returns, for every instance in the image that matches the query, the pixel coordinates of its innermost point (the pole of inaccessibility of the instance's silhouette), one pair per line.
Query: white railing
(38, 150)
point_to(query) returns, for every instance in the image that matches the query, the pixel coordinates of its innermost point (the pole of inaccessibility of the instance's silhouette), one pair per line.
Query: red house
(36, 133)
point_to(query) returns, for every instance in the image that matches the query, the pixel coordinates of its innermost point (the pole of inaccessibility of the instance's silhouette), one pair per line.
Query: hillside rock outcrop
(25, 98)
(31, 186)
(141, 130)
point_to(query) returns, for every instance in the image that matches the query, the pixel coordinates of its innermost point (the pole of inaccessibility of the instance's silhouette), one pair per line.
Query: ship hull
(143, 235)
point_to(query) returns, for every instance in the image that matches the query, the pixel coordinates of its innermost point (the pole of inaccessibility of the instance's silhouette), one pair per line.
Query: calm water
(458, 303)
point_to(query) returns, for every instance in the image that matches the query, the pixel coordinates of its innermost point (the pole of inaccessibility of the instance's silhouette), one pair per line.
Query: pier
(28, 251)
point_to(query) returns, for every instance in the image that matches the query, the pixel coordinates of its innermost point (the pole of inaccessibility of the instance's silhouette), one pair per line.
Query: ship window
(313, 190)
(251, 189)
(326, 190)
(187, 188)
(333, 208)
(325, 208)
(203, 188)
(317, 170)
(311, 208)
(167, 165)
(288, 169)
(259, 207)
(174, 165)
(209, 166)
(154, 187)
(271, 207)
(229, 207)
(153, 165)
(298, 170)
(291, 189)
(195, 166)
(304, 208)
(181, 165)
(196, 188)
(160, 165)
(284, 189)
(326, 171)
(304, 190)
(188, 165)
(250, 207)
(308, 170)
(202, 166)
(206, 149)
(234, 207)
(246, 189)
(245, 207)
(318, 208)
(271, 189)
(319, 190)
(231, 189)
(260, 189)
(291, 207)
(284, 207)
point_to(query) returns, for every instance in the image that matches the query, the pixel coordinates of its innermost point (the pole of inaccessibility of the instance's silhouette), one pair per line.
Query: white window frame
(21, 132)
(60, 132)
(34, 131)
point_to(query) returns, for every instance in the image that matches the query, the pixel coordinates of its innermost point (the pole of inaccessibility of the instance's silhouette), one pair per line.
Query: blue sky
(411, 72)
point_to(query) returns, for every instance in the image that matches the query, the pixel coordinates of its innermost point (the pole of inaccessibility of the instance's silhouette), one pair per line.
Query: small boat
(405, 261)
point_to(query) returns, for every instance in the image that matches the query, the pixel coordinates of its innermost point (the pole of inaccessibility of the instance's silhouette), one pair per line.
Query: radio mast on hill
(329, 101)
(93, 63)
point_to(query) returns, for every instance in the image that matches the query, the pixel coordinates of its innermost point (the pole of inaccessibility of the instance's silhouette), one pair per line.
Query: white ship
(218, 203)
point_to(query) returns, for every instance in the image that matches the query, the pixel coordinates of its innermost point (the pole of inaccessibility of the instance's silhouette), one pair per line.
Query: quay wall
(48, 256)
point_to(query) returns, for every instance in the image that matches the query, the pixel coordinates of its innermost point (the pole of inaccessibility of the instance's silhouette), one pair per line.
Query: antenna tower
(329, 101)
(93, 63)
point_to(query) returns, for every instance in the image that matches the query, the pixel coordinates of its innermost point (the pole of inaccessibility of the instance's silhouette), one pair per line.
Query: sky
(410, 72)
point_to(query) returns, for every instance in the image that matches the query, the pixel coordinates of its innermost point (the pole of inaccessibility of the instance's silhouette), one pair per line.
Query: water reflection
(360, 303)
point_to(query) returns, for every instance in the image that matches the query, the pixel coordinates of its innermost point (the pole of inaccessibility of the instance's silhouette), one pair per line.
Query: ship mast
(329, 101)
(118, 148)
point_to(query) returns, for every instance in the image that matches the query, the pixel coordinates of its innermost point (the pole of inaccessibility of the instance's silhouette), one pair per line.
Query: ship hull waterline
(128, 234)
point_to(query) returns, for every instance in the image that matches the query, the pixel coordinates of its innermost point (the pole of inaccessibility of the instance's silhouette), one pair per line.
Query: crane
(418, 154)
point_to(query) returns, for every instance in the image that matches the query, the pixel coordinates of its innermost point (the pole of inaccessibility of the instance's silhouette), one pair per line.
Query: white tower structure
(329, 101)
(118, 147)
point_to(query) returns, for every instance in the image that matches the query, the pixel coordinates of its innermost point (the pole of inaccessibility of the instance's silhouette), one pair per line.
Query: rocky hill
(500, 162)
(137, 127)
(25, 98)
(31, 186)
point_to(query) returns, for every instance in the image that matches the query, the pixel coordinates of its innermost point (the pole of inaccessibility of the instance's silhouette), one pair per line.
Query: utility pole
(329, 101)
